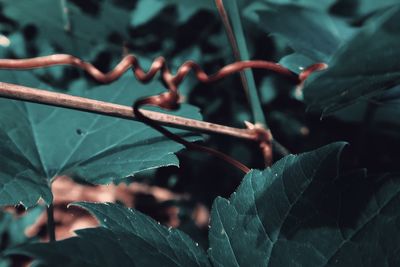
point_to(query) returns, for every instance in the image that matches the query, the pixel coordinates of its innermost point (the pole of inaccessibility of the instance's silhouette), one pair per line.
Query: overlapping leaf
(310, 32)
(300, 212)
(126, 238)
(63, 24)
(365, 7)
(40, 142)
(146, 10)
(12, 230)
(363, 68)
(355, 72)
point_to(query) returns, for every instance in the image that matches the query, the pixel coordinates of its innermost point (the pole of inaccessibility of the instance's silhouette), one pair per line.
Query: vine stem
(233, 27)
(19, 92)
(168, 100)
(51, 229)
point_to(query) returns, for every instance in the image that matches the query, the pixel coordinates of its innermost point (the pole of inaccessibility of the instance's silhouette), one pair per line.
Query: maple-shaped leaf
(363, 68)
(126, 238)
(299, 212)
(39, 143)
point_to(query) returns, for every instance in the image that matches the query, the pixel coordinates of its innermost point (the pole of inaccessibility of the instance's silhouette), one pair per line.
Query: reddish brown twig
(311, 69)
(18, 92)
(148, 101)
(168, 100)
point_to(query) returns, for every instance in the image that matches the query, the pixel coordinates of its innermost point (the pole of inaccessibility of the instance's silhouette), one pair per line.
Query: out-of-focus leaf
(310, 32)
(41, 142)
(16, 226)
(363, 68)
(146, 10)
(368, 6)
(296, 62)
(71, 31)
(319, 5)
(386, 111)
(267, 90)
(126, 238)
(384, 118)
(12, 230)
(380, 114)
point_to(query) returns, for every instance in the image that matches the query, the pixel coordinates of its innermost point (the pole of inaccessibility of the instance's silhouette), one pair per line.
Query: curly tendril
(168, 100)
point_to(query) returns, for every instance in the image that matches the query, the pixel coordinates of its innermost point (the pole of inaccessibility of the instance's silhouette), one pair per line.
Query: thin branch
(174, 137)
(237, 40)
(232, 41)
(34, 95)
(167, 100)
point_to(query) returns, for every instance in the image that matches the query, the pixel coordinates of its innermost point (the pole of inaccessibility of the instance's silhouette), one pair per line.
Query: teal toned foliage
(304, 210)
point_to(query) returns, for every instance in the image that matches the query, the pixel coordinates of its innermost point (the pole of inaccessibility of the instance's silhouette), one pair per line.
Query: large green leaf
(51, 20)
(362, 68)
(251, 225)
(40, 142)
(126, 238)
(300, 213)
(310, 32)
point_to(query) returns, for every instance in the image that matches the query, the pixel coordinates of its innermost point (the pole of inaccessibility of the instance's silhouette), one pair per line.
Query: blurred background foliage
(102, 31)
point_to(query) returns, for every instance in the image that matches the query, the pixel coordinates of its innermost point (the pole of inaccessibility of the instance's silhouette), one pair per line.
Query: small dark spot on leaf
(79, 131)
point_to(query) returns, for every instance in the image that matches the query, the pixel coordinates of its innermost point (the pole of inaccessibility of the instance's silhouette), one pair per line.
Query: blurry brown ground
(148, 199)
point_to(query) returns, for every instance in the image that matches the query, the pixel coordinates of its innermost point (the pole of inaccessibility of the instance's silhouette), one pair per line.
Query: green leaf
(85, 31)
(147, 10)
(251, 225)
(15, 227)
(361, 69)
(20, 187)
(126, 238)
(310, 32)
(365, 7)
(318, 5)
(40, 142)
(381, 114)
(300, 213)
(296, 62)
(12, 230)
